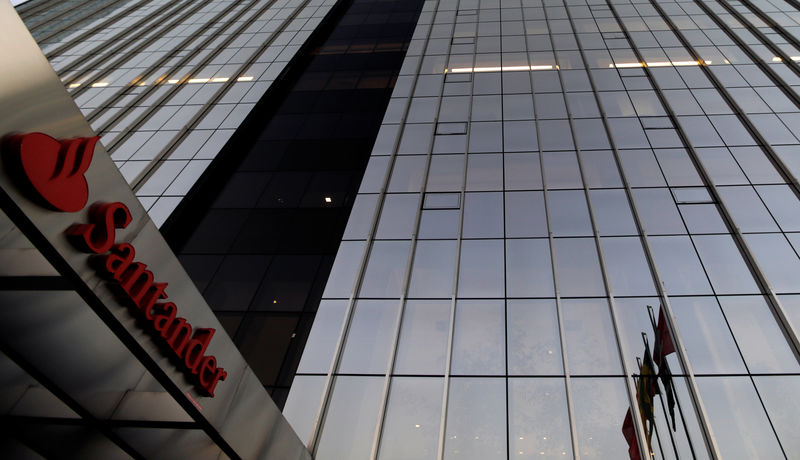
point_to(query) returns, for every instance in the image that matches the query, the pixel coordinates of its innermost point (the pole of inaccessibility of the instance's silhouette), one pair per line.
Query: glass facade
(545, 171)
(560, 193)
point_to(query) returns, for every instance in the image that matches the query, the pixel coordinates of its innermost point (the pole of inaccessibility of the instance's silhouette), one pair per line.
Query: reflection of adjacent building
(543, 172)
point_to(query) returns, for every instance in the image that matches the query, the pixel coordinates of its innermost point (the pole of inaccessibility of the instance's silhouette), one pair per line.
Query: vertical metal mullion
(314, 437)
(412, 254)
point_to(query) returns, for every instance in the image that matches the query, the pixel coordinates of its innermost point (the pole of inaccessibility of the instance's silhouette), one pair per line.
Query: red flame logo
(55, 169)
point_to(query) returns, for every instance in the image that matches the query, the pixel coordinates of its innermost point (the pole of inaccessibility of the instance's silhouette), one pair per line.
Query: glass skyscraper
(558, 191)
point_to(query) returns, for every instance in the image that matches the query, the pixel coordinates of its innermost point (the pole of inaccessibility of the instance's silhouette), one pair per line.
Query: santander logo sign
(53, 172)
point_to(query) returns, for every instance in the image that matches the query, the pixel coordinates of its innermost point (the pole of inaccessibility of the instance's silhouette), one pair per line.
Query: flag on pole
(661, 349)
(647, 387)
(630, 436)
(663, 345)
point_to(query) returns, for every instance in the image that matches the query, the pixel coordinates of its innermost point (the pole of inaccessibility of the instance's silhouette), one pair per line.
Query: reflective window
(706, 336)
(351, 418)
(758, 335)
(479, 337)
(423, 337)
(600, 406)
(678, 265)
(525, 214)
(528, 268)
(303, 403)
(483, 215)
(433, 270)
(385, 270)
(724, 264)
(577, 267)
(324, 335)
(476, 419)
(740, 425)
(537, 417)
(369, 337)
(591, 347)
(481, 272)
(781, 397)
(411, 426)
(569, 215)
(628, 270)
(534, 347)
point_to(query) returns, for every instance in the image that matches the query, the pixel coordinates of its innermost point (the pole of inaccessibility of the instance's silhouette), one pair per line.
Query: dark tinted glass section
(259, 231)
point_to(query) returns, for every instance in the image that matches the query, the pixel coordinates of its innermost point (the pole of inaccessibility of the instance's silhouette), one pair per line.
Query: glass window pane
(385, 270)
(783, 204)
(352, 415)
(612, 212)
(398, 216)
(439, 223)
(777, 259)
(781, 396)
(578, 268)
(628, 270)
(534, 347)
(530, 273)
(433, 271)
(569, 215)
(321, 344)
(706, 336)
(758, 335)
(590, 338)
(303, 403)
(446, 173)
(485, 172)
(737, 418)
(600, 406)
(538, 419)
(345, 268)
(369, 338)
(522, 171)
(407, 174)
(479, 337)
(678, 265)
(411, 426)
(747, 210)
(476, 419)
(481, 272)
(561, 170)
(525, 216)
(600, 169)
(423, 337)
(658, 212)
(483, 215)
(724, 264)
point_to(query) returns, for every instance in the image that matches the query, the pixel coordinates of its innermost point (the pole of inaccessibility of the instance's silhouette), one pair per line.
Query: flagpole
(651, 314)
(663, 411)
(650, 451)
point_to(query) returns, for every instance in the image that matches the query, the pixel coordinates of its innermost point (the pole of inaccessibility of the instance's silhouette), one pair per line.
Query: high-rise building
(576, 235)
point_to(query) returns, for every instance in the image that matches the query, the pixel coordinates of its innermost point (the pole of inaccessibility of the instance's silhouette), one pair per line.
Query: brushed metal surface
(241, 416)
